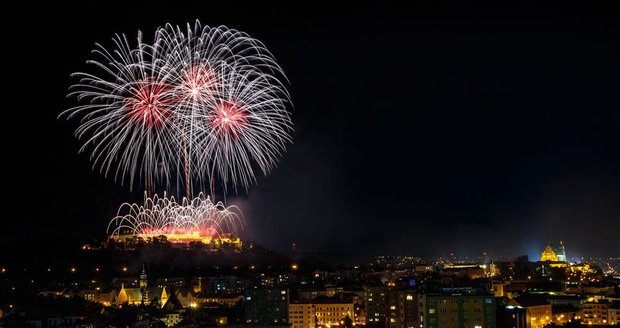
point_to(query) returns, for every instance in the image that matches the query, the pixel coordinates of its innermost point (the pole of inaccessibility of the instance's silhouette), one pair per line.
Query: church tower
(562, 252)
(143, 278)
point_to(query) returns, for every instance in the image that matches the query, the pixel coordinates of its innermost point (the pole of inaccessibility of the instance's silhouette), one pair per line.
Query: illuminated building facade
(137, 296)
(537, 311)
(595, 313)
(333, 312)
(320, 312)
(553, 254)
(301, 315)
(182, 239)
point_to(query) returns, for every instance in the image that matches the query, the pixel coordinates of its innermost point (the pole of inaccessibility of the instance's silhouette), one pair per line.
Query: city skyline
(421, 131)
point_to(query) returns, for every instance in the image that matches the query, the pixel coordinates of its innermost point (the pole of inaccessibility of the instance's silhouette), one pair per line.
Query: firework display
(197, 219)
(199, 105)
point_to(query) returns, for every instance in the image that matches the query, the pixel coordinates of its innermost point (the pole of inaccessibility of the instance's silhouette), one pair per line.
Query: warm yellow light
(294, 266)
(97, 269)
(193, 305)
(72, 269)
(124, 269)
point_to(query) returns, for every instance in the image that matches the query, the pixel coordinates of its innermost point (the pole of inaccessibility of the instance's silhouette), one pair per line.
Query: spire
(143, 278)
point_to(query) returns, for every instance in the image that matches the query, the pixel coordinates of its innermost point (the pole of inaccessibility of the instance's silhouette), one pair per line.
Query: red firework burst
(149, 103)
(228, 119)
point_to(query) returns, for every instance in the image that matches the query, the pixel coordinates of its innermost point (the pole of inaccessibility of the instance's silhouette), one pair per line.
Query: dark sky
(418, 130)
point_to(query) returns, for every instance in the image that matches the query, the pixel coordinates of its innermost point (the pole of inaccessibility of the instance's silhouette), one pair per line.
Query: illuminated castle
(553, 254)
(180, 239)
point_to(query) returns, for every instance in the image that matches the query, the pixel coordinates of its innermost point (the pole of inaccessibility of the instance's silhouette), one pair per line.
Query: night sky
(418, 130)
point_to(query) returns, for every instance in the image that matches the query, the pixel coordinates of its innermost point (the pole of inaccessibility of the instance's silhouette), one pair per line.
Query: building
(136, 296)
(595, 313)
(511, 316)
(537, 310)
(142, 294)
(229, 301)
(301, 314)
(457, 311)
(563, 313)
(498, 288)
(375, 302)
(403, 309)
(266, 306)
(321, 312)
(553, 254)
(179, 238)
(222, 284)
(333, 311)
(613, 315)
(171, 319)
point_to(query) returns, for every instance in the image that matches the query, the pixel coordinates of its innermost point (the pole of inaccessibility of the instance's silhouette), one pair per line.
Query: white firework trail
(201, 104)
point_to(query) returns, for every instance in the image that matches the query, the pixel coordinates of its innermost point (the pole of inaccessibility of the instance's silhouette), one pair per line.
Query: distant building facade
(266, 306)
(403, 309)
(301, 315)
(537, 311)
(456, 310)
(553, 254)
(375, 298)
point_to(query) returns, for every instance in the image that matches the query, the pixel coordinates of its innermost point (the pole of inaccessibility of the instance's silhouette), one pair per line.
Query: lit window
(409, 297)
(393, 307)
(431, 311)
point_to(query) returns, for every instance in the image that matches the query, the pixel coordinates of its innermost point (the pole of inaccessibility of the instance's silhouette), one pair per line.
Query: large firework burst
(198, 104)
(196, 219)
